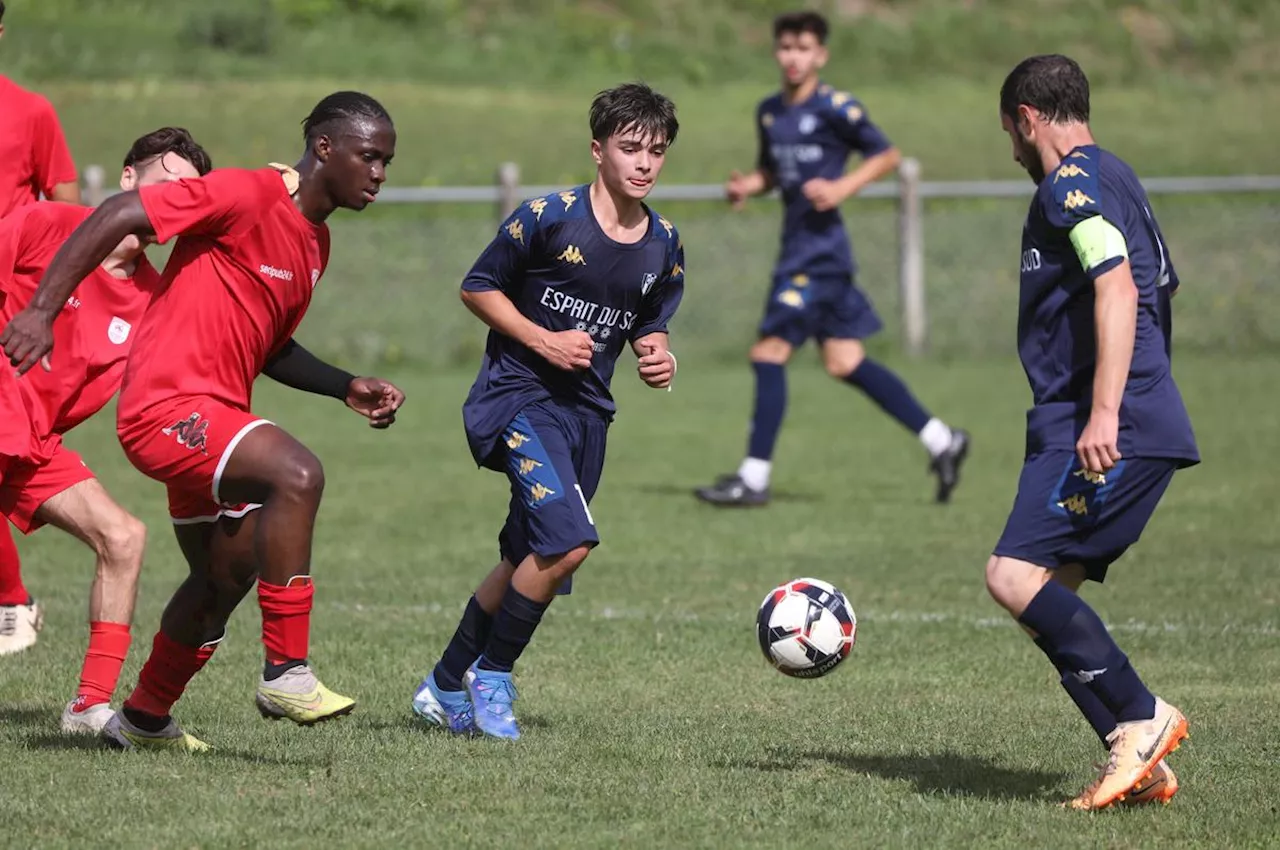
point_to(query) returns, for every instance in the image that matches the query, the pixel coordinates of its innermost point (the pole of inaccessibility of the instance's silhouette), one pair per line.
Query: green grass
(650, 717)
(458, 134)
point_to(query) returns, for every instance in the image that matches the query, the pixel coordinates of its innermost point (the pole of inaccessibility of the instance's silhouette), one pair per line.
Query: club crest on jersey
(808, 123)
(191, 433)
(650, 278)
(118, 330)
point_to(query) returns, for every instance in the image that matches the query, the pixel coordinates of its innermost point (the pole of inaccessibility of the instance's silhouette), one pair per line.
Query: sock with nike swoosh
(1083, 648)
(1098, 715)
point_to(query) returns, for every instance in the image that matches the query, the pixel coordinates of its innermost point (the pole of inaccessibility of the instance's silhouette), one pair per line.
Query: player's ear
(322, 147)
(597, 151)
(820, 58)
(129, 178)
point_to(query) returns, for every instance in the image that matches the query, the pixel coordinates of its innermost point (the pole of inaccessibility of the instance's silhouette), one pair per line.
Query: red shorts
(25, 486)
(186, 443)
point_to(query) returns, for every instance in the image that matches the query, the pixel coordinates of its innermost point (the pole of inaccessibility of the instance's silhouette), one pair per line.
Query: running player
(46, 482)
(806, 134)
(243, 493)
(1107, 429)
(34, 160)
(570, 280)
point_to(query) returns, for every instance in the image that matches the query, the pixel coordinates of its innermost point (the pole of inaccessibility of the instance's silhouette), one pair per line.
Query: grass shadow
(934, 774)
(784, 496)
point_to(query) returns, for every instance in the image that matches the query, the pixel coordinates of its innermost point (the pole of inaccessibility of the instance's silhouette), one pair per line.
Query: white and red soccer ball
(806, 628)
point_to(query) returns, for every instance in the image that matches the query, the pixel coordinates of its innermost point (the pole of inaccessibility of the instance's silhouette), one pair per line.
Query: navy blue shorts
(553, 459)
(1065, 515)
(822, 308)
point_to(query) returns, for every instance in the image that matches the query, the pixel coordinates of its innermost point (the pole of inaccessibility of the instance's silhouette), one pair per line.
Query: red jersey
(92, 334)
(33, 152)
(235, 288)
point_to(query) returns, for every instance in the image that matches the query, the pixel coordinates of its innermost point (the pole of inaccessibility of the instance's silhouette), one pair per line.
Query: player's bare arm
(66, 193)
(567, 350)
(656, 365)
(829, 194)
(373, 398)
(29, 336)
(743, 186)
(1115, 320)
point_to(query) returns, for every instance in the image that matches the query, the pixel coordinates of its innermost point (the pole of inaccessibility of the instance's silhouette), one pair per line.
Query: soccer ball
(806, 628)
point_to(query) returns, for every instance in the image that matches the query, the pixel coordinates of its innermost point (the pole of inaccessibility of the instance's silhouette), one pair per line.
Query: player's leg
(787, 323)
(1064, 517)
(221, 558)
(265, 465)
(441, 698)
(20, 614)
(118, 540)
(847, 318)
(554, 464)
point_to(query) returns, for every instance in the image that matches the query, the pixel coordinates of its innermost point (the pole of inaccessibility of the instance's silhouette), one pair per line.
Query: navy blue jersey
(1087, 217)
(799, 142)
(555, 263)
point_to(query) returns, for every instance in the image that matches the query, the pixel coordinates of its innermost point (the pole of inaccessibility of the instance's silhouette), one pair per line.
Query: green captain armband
(1097, 240)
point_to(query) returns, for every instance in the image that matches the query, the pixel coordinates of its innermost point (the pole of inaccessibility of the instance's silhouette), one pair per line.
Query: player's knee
(843, 362)
(1013, 584)
(121, 544)
(301, 475)
(771, 350)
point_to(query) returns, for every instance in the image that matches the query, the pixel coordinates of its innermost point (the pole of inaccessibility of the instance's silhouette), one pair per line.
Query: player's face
(165, 168)
(159, 169)
(356, 162)
(1024, 149)
(800, 57)
(630, 162)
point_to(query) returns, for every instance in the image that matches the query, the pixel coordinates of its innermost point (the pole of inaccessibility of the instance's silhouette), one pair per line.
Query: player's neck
(123, 261)
(800, 92)
(1061, 141)
(311, 199)
(617, 214)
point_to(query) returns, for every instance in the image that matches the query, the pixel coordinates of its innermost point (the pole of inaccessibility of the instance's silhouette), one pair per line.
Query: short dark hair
(798, 23)
(633, 106)
(1053, 84)
(157, 143)
(339, 107)
(1, 10)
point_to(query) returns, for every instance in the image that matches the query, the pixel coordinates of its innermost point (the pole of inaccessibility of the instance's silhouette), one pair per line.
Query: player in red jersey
(33, 160)
(252, 245)
(41, 480)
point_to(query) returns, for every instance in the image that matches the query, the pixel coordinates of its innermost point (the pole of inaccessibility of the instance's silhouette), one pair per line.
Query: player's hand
(28, 339)
(1098, 446)
(656, 366)
(823, 194)
(736, 190)
(375, 399)
(567, 350)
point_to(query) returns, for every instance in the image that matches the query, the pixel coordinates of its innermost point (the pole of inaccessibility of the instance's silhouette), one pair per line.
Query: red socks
(12, 591)
(165, 675)
(108, 646)
(286, 619)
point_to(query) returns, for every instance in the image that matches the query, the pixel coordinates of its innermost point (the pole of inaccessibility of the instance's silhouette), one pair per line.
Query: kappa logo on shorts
(540, 491)
(527, 465)
(191, 433)
(1081, 492)
(516, 440)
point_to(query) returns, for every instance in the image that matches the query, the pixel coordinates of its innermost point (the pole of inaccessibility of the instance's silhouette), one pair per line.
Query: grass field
(651, 718)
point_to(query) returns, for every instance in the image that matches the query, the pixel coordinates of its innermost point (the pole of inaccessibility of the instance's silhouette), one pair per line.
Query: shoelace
(499, 695)
(9, 621)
